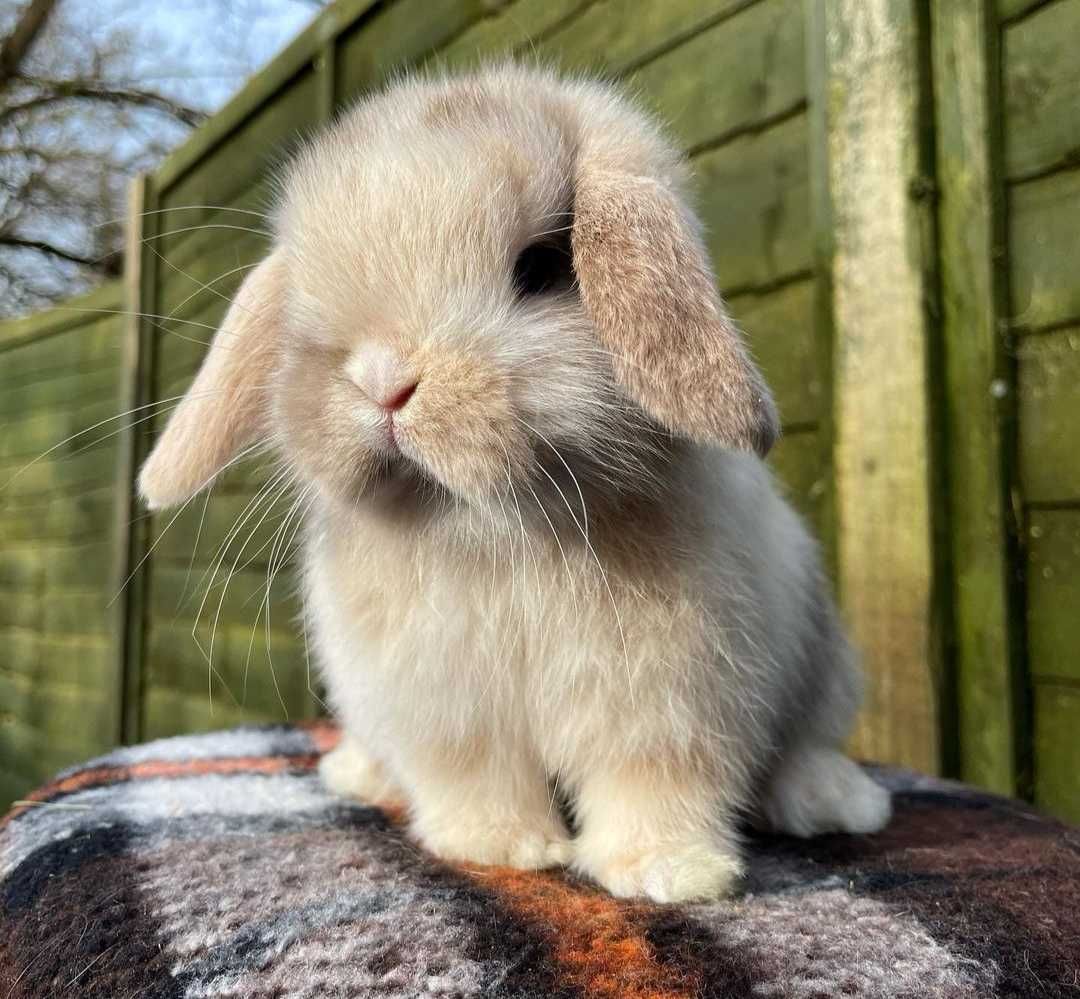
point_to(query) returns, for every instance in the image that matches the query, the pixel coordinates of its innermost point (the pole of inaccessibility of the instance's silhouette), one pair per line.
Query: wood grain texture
(1053, 573)
(512, 29)
(77, 312)
(1011, 12)
(617, 35)
(882, 418)
(1049, 416)
(93, 348)
(760, 75)
(195, 292)
(59, 373)
(70, 390)
(136, 395)
(799, 462)
(779, 328)
(398, 35)
(822, 249)
(753, 197)
(979, 394)
(1044, 218)
(1057, 749)
(1042, 91)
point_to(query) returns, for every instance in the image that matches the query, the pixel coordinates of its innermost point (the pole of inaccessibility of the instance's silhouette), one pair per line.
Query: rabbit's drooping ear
(646, 285)
(225, 409)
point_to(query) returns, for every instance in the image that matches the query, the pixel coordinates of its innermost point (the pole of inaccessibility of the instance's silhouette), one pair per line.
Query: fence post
(134, 528)
(981, 390)
(821, 220)
(877, 149)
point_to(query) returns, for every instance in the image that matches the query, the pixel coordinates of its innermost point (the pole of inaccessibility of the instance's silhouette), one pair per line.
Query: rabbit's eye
(542, 268)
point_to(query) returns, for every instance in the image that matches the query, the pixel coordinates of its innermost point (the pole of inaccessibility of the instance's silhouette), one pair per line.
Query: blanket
(217, 865)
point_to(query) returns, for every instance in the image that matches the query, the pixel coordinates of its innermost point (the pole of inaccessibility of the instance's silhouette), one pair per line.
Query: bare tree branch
(55, 91)
(13, 49)
(92, 92)
(103, 264)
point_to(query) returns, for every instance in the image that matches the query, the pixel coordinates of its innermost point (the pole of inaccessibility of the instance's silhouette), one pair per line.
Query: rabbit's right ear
(225, 410)
(647, 284)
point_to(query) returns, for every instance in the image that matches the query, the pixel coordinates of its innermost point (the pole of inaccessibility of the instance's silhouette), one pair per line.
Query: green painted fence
(892, 191)
(60, 524)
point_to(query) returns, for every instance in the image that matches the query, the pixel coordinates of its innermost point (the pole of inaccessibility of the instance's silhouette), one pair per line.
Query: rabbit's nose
(382, 374)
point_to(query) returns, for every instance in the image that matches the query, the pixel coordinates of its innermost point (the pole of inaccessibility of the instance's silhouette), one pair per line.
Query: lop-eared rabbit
(542, 559)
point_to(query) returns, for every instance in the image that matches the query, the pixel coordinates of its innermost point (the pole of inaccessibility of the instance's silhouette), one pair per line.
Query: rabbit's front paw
(491, 841)
(350, 772)
(674, 873)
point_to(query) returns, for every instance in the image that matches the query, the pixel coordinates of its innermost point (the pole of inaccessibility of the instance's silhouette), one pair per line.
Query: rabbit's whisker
(202, 286)
(148, 315)
(157, 540)
(272, 571)
(219, 556)
(552, 232)
(569, 471)
(207, 287)
(228, 534)
(79, 433)
(264, 604)
(194, 549)
(206, 225)
(134, 423)
(307, 652)
(283, 479)
(185, 208)
(558, 542)
(607, 584)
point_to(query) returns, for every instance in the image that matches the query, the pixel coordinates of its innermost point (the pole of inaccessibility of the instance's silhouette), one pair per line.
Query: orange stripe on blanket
(324, 735)
(100, 776)
(598, 941)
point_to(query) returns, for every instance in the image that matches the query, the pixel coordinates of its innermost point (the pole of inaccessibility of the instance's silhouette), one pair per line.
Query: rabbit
(543, 562)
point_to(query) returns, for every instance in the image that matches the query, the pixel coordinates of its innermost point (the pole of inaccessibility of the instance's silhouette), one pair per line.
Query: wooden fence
(891, 189)
(60, 521)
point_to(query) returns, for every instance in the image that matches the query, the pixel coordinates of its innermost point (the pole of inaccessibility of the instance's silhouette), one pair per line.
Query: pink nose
(382, 375)
(399, 398)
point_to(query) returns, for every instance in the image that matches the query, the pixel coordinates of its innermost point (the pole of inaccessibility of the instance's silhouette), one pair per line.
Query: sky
(202, 50)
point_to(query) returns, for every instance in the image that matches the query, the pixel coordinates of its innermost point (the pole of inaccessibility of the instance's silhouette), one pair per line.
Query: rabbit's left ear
(647, 286)
(225, 410)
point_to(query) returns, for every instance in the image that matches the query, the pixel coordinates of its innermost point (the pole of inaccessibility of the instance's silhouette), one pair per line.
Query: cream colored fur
(540, 580)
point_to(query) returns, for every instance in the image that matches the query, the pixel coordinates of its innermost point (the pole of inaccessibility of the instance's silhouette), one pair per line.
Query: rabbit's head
(470, 276)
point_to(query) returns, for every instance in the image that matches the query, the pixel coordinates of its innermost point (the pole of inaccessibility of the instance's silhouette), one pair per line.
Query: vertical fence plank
(127, 401)
(980, 396)
(885, 551)
(140, 280)
(821, 217)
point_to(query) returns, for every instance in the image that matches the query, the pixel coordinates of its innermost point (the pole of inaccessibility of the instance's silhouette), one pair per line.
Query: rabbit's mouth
(398, 478)
(394, 467)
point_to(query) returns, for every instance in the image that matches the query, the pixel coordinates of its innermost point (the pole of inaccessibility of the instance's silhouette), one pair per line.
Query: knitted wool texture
(216, 865)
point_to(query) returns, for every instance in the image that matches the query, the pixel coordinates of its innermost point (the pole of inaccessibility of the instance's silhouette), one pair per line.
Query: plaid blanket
(217, 866)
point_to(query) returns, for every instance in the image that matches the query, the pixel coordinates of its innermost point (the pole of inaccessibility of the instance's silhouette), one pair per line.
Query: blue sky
(199, 49)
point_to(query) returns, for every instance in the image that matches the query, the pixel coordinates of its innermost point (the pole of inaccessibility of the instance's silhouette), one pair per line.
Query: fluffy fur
(543, 563)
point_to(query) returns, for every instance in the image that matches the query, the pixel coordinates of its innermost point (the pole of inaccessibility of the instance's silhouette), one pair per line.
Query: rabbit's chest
(495, 622)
